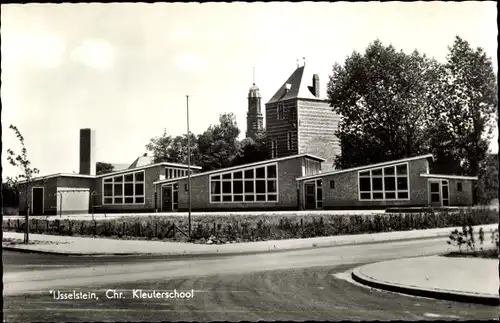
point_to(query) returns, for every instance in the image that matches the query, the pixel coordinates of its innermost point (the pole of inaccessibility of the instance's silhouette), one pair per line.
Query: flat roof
(124, 171)
(147, 166)
(264, 162)
(340, 171)
(473, 178)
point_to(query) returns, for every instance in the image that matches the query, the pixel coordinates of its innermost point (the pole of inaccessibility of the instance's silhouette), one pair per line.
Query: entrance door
(37, 201)
(435, 193)
(310, 196)
(445, 194)
(167, 198)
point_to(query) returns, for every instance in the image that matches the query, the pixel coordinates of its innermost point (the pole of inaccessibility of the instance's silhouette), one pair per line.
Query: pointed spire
(254, 76)
(297, 63)
(304, 60)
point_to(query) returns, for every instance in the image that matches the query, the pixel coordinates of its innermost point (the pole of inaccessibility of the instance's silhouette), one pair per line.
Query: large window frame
(311, 167)
(245, 185)
(123, 189)
(388, 183)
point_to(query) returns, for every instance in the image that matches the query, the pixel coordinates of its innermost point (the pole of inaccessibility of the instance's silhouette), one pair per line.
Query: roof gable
(359, 168)
(299, 87)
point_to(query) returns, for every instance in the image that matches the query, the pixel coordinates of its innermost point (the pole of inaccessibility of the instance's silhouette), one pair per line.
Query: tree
(251, 151)
(173, 150)
(383, 96)
(22, 162)
(465, 112)
(104, 168)
(159, 146)
(218, 145)
(487, 186)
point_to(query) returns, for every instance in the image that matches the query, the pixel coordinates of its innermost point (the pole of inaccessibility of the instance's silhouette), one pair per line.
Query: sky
(124, 69)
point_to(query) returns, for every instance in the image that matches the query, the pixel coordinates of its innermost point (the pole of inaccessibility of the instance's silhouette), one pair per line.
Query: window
(459, 186)
(256, 184)
(124, 189)
(289, 140)
(186, 187)
(280, 111)
(332, 184)
(313, 167)
(319, 194)
(386, 183)
(274, 149)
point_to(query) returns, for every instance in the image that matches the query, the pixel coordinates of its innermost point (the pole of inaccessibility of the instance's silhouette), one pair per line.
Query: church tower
(255, 119)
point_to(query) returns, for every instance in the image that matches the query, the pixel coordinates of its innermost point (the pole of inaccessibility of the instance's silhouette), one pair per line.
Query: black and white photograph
(250, 161)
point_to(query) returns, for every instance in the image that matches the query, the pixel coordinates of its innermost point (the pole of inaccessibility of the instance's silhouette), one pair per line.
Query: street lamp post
(189, 167)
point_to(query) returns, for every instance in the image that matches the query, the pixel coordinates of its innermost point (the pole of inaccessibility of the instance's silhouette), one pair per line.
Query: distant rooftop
(297, 86)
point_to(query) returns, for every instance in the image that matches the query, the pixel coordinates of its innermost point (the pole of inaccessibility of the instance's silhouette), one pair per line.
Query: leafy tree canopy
(103, 168)
(383, 97)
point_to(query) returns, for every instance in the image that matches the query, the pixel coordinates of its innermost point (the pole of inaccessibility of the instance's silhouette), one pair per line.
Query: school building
(299, 175)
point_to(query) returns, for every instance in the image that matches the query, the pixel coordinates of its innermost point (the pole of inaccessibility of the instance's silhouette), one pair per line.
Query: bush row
(258, 227)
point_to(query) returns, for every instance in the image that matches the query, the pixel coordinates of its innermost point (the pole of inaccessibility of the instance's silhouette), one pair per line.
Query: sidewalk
(98, 246)
(471, 280)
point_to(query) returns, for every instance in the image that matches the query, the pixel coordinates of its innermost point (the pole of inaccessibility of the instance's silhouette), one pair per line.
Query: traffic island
(470, 280)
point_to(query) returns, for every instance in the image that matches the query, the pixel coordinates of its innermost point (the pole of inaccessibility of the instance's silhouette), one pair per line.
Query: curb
(429, 293)
(216, 252)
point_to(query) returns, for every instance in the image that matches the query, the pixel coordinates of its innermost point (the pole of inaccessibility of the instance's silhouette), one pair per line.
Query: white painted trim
(438, 176)
(41, 178)
(108, 174)
(289, 140)
(145, 167)
(43, 198)
(256, 164)
(123, 182)
(315, 182)
(65, 189)
(448, 188)
(396, 176)
(429, 200)
(384, 164)
(243, 180)
(171, 185)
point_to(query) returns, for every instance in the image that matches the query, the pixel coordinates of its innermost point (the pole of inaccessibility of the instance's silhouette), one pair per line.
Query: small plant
(481, 238)
(494, 237)
(470, 242)
(457, 239)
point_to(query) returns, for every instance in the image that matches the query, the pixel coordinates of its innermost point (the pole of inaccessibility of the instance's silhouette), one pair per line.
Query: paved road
(295, 285)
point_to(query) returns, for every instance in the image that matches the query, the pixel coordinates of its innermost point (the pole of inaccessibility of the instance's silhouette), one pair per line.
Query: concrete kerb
(456, 296)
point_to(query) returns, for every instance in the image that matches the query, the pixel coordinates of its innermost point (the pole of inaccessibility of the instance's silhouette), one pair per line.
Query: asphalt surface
(294, 285)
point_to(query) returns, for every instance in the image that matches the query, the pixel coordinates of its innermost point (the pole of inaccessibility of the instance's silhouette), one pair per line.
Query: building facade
(405, 182)
(299, 121)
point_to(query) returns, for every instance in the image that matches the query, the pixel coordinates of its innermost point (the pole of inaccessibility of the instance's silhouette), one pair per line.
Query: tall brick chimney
(316, 85)
(87, 152)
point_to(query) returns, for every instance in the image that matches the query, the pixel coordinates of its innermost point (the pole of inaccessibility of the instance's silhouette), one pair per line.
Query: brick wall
(49, 197)
(278, 129)
(288, 172)
(345, 193)
(151, 174)
(316, 131)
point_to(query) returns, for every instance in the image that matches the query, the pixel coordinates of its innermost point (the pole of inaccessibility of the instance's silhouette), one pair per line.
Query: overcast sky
(124, 69)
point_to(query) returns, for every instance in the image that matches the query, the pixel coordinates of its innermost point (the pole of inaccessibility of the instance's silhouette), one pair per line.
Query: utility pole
(189, 168)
